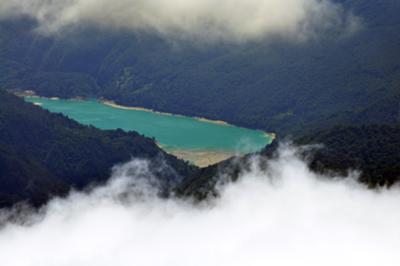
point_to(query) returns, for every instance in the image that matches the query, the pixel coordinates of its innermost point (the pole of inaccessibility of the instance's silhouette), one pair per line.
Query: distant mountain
(44, 154)
(276, 86)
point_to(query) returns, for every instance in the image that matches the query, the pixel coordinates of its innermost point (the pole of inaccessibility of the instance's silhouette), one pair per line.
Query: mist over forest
(316, 82)
(286, 215)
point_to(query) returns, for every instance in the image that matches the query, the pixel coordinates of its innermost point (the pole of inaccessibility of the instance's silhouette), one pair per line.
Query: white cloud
(285, 216)
(233, 20)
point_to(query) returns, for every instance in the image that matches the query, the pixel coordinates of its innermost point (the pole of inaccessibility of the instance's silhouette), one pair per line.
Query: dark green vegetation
(202, 184)
(374, 150)
(288, 88)
(44, 154)
(276, 86)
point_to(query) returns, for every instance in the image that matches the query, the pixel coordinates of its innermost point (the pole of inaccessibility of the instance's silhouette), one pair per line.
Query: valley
(230, 132)
(202, 142)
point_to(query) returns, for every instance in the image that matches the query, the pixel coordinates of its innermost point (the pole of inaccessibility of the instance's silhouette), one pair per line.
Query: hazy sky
(286, 216)
(234, 20)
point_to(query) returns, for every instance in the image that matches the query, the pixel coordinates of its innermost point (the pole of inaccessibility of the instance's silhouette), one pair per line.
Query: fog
(283, 216)
(211, 20)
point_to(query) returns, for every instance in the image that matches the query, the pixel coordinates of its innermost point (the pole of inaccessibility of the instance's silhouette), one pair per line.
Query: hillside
(291, 88)
(276, 86)
(44, 154)
(373, 151)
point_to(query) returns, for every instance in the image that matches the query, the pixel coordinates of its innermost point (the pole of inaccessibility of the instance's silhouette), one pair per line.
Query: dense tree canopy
(277, 86)
(373, 150)
(43, 153)
(290, 88)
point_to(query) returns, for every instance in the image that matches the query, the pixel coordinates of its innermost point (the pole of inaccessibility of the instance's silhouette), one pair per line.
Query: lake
(199, 141)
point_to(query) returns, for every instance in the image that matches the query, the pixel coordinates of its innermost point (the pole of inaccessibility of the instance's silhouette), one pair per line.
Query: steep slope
(373, 150)
(43, 154)
(277, 86)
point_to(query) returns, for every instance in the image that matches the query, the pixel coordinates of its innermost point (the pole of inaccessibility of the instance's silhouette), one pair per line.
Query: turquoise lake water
(172, 132)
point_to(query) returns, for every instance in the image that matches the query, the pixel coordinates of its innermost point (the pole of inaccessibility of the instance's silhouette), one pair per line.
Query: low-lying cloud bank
(211, 20)
(285, 216)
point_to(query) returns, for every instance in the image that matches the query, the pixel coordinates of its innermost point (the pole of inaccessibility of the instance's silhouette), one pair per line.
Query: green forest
(44, 154)
(276, 86)
(339, 91)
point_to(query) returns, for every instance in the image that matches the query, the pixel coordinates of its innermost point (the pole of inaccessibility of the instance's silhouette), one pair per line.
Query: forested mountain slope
(277, 85)
(373, 151)
(43, 154)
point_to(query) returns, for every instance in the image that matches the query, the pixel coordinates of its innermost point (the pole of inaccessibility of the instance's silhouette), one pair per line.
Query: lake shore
(201, 158)
(270, 135)
(115, 105)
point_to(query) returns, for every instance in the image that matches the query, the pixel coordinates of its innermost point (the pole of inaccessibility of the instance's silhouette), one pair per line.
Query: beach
(201, 158)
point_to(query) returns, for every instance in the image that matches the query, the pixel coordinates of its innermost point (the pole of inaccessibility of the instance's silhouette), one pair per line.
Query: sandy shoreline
(218, 122)
(110, 103)
(118, 106)
(204, 158)
(137, 108)
(270, 135)
(201, 158)
(202, 119)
